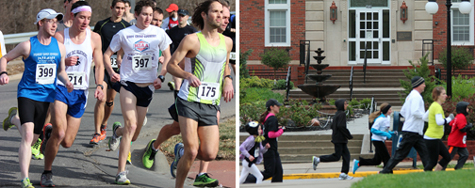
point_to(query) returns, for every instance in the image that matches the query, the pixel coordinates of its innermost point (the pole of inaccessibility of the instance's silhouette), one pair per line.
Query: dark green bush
(281, 84)
(461, 57)
(421, 69)
(243, 71)
(259, 94)
(276, 58)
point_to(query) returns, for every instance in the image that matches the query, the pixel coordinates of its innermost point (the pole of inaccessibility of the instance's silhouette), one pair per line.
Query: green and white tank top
(208, 66)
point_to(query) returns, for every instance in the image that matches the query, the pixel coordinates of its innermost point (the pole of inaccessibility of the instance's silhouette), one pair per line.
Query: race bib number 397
(141, 62)
(77, 79)
(45, 73)
(208, 91)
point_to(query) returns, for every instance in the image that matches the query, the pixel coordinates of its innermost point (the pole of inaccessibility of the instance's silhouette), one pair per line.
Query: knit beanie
(252, 127)
(417, 81)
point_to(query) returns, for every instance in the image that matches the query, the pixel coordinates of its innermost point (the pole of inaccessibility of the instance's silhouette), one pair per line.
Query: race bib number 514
(208, 91)
(45, 73)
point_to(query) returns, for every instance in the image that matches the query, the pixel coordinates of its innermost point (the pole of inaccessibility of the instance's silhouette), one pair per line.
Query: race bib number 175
(208, 91)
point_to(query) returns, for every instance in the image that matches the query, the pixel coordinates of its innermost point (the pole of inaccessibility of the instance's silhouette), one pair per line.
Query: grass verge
(457, 178)
(466, 166)
(227, 141)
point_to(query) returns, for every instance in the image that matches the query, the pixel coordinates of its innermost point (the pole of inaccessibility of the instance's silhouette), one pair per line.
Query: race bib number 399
(45, 73)
(77, 79)
(114, 61)
(208, 91)
(141, 62)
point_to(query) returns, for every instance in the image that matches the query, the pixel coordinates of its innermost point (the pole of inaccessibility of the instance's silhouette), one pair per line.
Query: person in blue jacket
(381, 132)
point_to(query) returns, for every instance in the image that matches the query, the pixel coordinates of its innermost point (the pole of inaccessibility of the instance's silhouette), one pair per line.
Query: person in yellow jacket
(435, 131)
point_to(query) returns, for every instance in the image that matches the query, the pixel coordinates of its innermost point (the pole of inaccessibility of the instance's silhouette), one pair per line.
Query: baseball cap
(183, 12)
(48, 14)
(172, 7)
(272, 102)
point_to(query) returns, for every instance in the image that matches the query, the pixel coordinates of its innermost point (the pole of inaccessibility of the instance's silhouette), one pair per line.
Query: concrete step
(312, 150)
(307, 158)
(325, 137)
(374, 91)
(315, 143)
(395, 102)
(362, 84)
(305, 138)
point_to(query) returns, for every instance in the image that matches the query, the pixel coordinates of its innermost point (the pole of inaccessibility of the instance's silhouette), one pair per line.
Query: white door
(368, 37)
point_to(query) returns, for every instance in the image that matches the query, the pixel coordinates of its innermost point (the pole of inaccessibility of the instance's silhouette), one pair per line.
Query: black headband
(386, 109)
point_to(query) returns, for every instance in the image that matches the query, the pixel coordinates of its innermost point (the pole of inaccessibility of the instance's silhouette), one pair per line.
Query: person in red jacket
(458, 134)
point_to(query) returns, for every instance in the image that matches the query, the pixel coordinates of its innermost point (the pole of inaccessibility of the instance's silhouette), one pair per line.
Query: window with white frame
(277, 23)
(462, 25)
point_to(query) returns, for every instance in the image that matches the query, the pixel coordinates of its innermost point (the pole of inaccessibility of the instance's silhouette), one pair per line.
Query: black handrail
(371, 110)
(431, 43)
(351, 83)
(287, 84)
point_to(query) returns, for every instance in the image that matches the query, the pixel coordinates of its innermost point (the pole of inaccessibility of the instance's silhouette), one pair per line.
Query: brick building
(462, 27)
(372, 24)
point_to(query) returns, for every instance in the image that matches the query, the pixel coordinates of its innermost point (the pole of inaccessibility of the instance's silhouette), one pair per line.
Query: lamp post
(464, 8)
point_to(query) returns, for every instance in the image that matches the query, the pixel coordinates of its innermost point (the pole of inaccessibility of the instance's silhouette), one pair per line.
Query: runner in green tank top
(206, 79)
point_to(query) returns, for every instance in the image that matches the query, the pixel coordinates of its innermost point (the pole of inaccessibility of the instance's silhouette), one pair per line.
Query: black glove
(467, 127)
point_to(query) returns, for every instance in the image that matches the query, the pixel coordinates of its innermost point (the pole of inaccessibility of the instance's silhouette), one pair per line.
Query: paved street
(85, 166)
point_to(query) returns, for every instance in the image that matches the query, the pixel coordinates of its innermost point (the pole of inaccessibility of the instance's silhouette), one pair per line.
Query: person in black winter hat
(340, 136)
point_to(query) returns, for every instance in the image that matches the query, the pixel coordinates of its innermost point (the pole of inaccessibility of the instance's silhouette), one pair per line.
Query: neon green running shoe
(35, 150)
(205, 181)
(25, 183)
(148, 157)
(7, 122)
(171, 85)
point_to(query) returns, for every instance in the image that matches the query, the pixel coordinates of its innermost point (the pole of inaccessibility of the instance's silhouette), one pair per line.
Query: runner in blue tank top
(43, 58)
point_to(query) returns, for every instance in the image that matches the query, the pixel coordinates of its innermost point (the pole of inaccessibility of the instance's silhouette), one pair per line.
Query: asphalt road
(83, 165)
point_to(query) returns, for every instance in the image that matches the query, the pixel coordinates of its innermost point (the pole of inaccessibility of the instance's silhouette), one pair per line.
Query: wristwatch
(228, 76)
(162, 78)
(102, 87)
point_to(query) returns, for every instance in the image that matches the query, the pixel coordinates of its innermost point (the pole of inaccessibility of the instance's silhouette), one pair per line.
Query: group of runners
(132, 60)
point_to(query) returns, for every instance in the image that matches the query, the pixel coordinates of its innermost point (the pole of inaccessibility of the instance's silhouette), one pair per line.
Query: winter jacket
(340, 133)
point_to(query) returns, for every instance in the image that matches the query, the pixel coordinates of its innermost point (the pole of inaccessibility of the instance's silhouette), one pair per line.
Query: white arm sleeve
(439, 119)
(426, 116)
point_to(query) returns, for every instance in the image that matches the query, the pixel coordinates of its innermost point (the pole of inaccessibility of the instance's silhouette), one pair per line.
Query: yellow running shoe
(129, 160)
(25, 183)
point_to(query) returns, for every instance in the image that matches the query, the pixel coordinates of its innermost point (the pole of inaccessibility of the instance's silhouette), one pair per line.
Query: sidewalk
(326, 175)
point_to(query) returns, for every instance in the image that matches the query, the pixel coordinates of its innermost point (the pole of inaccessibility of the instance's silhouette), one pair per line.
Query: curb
(337, 174)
